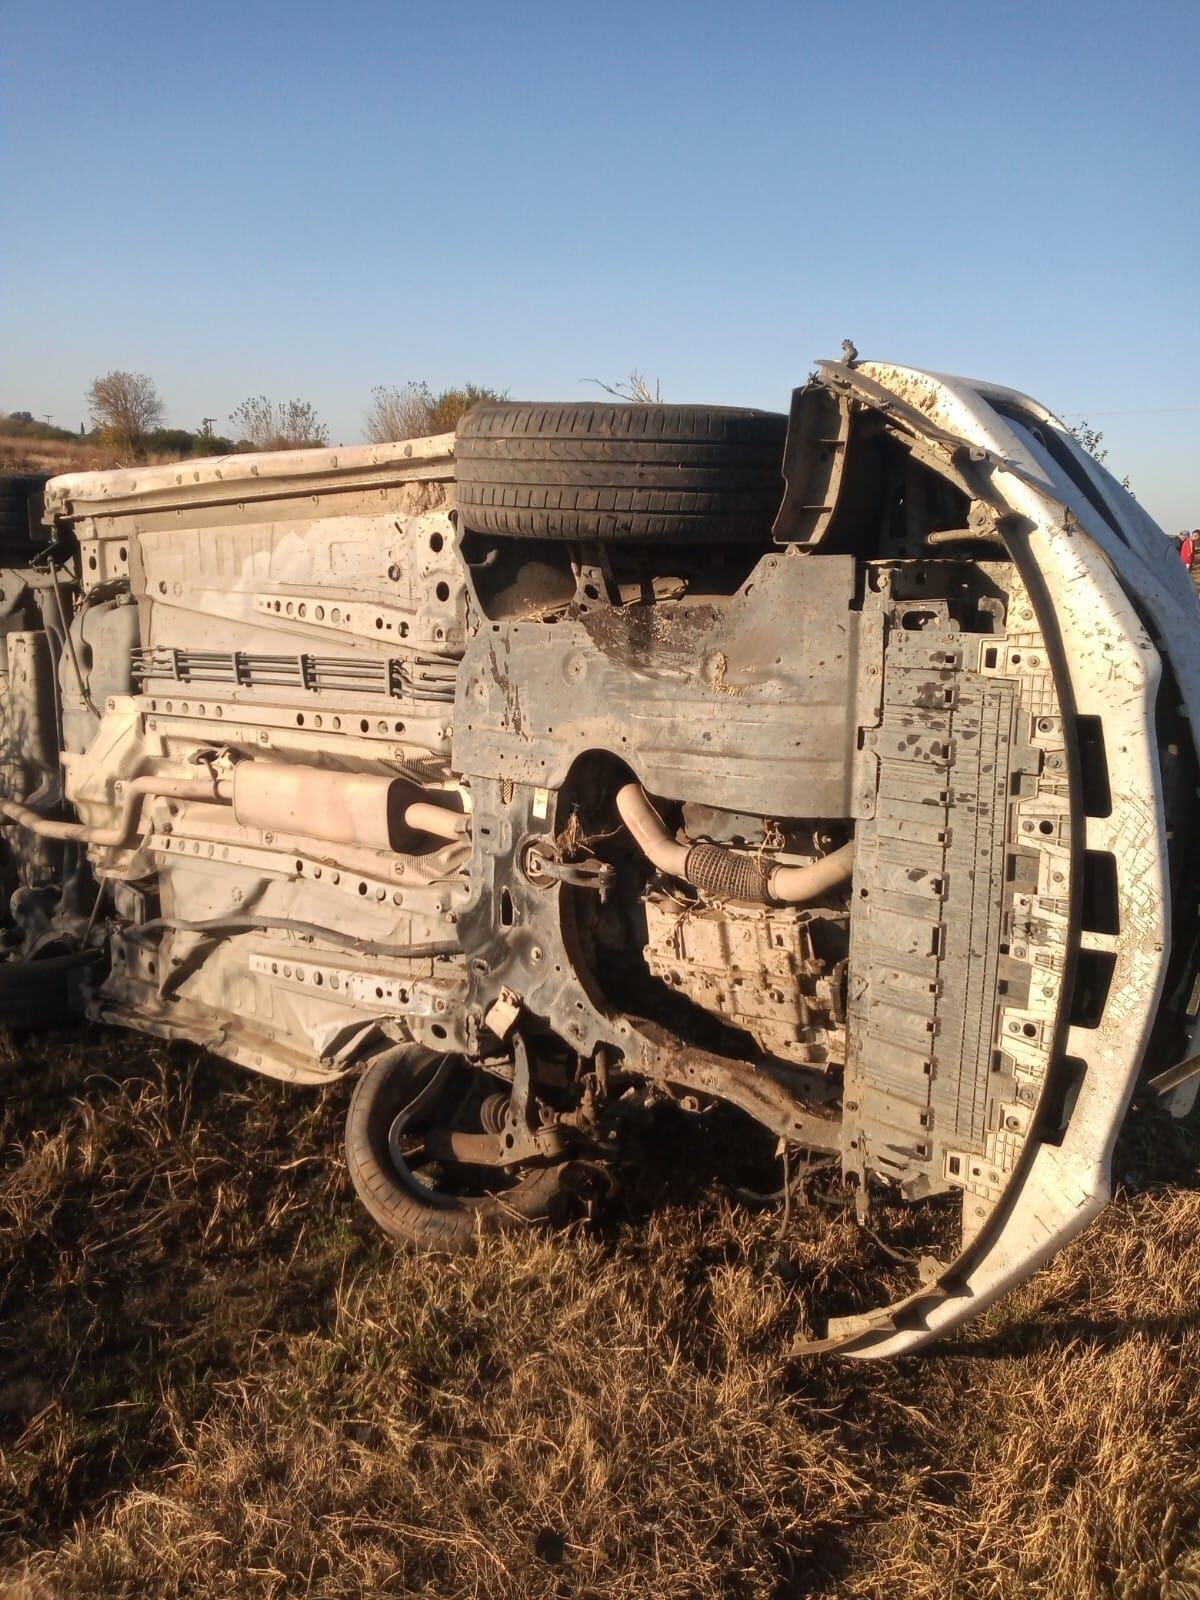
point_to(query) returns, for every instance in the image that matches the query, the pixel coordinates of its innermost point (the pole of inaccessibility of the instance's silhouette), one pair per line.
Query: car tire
(403, 1207)
(643, 473)
(38, 994)
(21, 534)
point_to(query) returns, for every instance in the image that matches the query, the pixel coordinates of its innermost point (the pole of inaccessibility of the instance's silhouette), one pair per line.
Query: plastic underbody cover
(1072, 999)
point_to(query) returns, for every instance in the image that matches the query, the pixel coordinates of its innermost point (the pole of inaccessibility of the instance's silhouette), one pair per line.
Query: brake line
(308, 930)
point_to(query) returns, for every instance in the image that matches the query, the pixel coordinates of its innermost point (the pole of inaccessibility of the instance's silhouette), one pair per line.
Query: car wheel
(21, 533)
(39, 993)
(432, 1205)
(652, 473)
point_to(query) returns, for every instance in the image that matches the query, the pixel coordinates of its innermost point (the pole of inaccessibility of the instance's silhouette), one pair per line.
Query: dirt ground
(216, 1380)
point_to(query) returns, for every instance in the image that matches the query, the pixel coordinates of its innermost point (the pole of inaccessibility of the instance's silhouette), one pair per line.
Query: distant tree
(23, 425)
(286, 425)
(415, 411)
(125, 407)
(181, 443)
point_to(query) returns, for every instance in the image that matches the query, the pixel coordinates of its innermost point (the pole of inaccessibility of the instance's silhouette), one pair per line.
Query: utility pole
(206, 426)
(48, 417)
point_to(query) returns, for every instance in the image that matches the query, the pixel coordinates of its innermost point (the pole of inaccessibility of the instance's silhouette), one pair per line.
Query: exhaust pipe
(270, 796)
(723, 873)
(359, 808)
(123, 831)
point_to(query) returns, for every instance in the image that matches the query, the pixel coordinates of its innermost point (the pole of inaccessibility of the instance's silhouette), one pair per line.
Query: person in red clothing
(1187, 547)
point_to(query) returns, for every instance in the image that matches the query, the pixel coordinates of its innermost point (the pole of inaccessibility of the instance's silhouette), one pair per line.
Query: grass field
(216, 1380)
(21, 454)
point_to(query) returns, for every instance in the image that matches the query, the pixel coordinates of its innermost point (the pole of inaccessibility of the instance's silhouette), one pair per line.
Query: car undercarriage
(838, 767)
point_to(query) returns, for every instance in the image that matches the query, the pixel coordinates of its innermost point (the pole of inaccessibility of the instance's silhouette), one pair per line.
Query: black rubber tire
(406, 1211)
(21, 533)
(659, 473)
(37, 994)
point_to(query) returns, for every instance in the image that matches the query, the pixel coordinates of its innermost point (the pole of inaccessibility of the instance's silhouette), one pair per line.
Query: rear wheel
(619, 472)
(405, 1110)
(38, 993)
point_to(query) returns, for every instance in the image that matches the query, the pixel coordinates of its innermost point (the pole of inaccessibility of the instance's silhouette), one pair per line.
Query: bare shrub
(415, 411)
(635, 389)
(399, 413)
(125, 406)
(451, 406)
(280, 425)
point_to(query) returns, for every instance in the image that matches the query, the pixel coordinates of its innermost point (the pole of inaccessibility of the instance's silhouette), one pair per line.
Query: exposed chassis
(352, 775)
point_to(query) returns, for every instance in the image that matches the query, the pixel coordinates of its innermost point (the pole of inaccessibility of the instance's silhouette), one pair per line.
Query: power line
(1137, 411)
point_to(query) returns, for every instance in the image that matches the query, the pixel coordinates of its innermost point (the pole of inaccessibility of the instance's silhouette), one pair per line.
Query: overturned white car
(839, 767)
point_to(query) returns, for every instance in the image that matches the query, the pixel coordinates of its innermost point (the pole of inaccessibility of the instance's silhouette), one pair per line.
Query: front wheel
(398, 1163)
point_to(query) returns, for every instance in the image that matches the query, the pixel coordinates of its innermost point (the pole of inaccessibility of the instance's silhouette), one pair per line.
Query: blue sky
(309, 200)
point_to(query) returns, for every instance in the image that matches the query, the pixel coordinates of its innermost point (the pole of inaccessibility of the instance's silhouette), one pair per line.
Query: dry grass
(216, 1380)
(21, 454)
